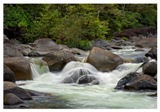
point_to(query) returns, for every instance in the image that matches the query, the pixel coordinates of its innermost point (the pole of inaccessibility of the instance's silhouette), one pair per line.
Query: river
(102, 96)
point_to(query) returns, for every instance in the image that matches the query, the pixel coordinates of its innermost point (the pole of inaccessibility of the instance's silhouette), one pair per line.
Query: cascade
(85, 96)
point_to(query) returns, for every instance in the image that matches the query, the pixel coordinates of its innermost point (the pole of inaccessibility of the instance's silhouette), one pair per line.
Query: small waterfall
(38, 67)
(74, 65)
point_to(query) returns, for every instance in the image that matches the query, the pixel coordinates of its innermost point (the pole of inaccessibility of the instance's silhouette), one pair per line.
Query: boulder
(45, 45)
(14, 42)
(8, 74)
(146, 42)
(21, 93)
(103, 60)
(11, 99)
(5, 38)
(136, 82)
(150, 68)
(58, 59)
(34, 54)
(85, 79)
(140, 59)
(20, 66)
(11, 51)
(101, 43)
(80, 76)
(116, 47)
(8, 85)
(121, 83)
(136, 32)
(24, 49)
(142, 82)
(152, 53)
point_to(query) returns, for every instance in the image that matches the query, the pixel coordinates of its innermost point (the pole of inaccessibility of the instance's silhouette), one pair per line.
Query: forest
(75, 25)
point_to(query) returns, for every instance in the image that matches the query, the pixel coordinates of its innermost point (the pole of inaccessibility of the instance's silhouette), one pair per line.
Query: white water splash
(96, 96)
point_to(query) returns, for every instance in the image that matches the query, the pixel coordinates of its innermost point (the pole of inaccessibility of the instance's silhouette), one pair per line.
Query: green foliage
(78, 43)
(41, 26)
(15, 16)
(76, 24)
(124, 38)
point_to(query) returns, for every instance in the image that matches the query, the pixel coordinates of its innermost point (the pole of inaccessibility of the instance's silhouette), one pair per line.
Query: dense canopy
(75, 24)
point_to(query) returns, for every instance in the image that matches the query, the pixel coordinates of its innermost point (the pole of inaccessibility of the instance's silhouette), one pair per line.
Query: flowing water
(102, 96)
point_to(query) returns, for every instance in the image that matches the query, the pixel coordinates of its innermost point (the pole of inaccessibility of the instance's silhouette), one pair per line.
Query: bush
(78, 43)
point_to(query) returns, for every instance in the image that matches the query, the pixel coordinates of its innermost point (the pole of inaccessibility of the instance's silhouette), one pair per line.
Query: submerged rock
(103, 60)
(80, 76)
(87, 79)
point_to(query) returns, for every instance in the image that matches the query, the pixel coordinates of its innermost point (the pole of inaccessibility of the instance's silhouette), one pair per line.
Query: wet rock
(20, 66)
(152, 53)
(142, 82)
(8, 85)
(139, 49)
(152, 94)
(8, 74)
(85, 79)
(121, 83)
(146, 42)
(21, 93)
(58, 59)
(150, 68)
(103, 60)
(137, 82)
(11, 99)
(116, 47)
(140, 60)
(80, 76)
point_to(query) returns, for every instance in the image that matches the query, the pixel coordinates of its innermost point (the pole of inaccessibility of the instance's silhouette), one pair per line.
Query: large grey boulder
(20, 66)
(58, 59)
(44, 46)
(103, 60)
(11, 50)
(146, 42)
